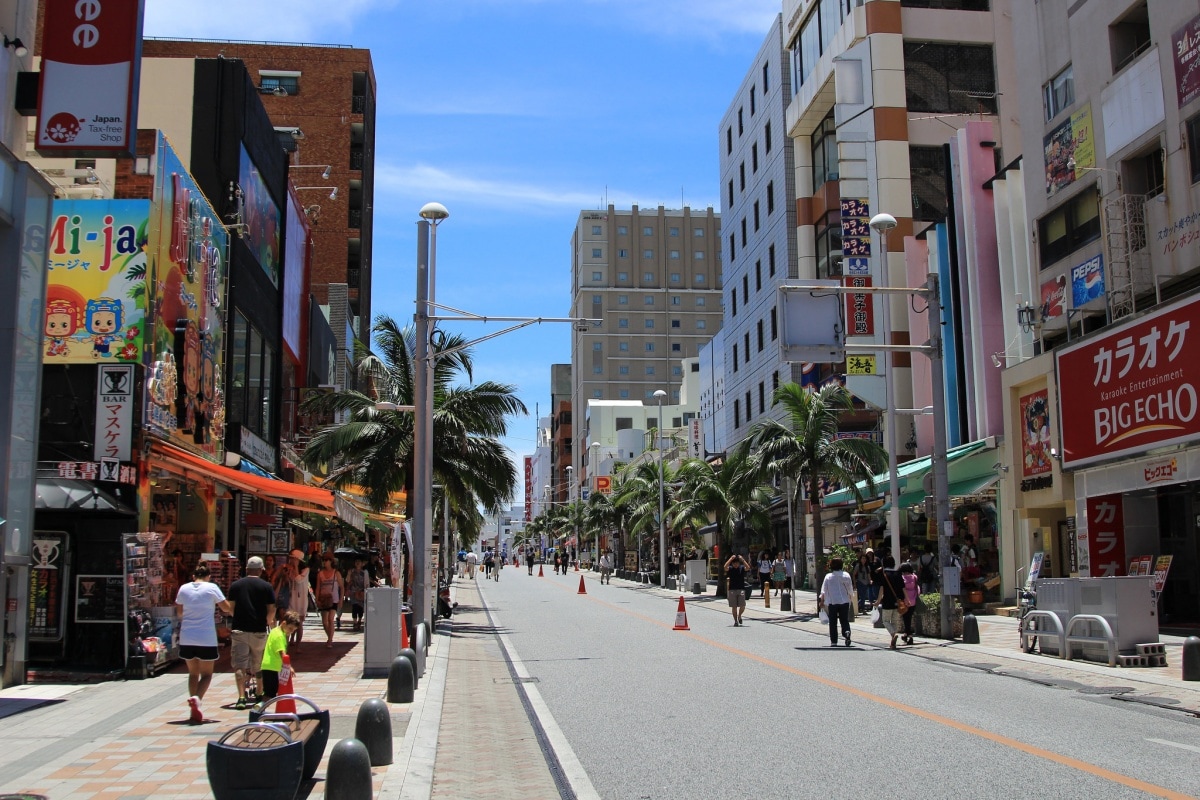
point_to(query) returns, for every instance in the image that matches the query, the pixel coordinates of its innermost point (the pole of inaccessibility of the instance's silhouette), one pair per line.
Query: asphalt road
(767, 710)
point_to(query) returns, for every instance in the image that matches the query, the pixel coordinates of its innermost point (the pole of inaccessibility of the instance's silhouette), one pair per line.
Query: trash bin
(381, 631)
(697, 573)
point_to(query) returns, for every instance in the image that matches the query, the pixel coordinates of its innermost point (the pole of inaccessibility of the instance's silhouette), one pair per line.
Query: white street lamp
(384, 405)
(593, 469)
(432, 215)
(659, 395)
(881, 224)
(570, 485)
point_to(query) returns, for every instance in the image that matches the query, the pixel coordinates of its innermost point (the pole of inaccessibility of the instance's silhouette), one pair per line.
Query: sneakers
(847, 635)
(240, 705)
(197, 716)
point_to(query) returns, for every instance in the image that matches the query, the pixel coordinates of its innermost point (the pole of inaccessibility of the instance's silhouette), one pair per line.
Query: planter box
(929, 623)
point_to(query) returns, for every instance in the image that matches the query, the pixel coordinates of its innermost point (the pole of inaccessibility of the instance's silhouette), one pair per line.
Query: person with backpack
(927, 574)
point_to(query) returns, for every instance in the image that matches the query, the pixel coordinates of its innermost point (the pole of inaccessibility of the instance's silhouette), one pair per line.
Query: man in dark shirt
(253, 602)
(891, 584)
(735, 573)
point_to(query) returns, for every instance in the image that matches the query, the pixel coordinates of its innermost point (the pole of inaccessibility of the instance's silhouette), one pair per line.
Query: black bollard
(411, 655)
(420, 646)
(1191, 658)
(374, 729)
(785, 601)
(348, 776)
(970, 629)
(401, 681)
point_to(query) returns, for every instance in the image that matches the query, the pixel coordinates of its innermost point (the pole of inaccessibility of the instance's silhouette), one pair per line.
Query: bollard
(1191, 658)
(348, 776)
(696, 589)
(374, 729)
(420, 645)
(411, 655)
(402, 681)
(785, 601)
(970, 629)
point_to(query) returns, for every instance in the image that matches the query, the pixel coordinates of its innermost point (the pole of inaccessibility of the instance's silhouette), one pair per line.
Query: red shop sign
(860, 313)
(1133, 388)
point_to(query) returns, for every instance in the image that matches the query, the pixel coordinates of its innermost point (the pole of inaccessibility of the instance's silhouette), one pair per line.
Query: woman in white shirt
(196, 605)
(835, 594)
(764, 575)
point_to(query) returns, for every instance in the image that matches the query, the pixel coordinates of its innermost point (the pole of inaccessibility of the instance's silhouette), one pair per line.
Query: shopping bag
(875, 615)
(823, 616)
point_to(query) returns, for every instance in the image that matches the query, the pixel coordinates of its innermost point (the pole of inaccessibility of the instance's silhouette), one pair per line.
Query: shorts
(246, 650)
(737, 598)
(891, 620)
(270, 684)
(199, 652)
(606, 570)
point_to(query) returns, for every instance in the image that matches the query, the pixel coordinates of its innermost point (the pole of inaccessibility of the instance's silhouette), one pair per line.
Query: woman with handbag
(764, 575)
(912, 594)
(891, 596)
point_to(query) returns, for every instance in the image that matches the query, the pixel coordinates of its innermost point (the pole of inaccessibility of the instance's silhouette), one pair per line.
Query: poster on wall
(1069, 150)
(1054, 297)
(47, 575)
(114, 413)
(1035, 439)
(1185, 52)
(1106, 537)
(297, 252)
(261, 217)
(96, 281)
(184, 395)
(1087, 281)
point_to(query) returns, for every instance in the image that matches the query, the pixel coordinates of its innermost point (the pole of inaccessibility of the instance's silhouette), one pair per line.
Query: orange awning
(296, 496)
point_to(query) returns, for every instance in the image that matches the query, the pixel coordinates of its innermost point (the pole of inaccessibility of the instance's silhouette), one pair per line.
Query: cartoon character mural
(187, 354)
(1035, 444)
(207, 400)
(64, 318)
(103, 322)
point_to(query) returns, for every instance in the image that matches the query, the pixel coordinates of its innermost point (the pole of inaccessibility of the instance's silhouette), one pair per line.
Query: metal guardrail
(1109, 640)
(1036, 635)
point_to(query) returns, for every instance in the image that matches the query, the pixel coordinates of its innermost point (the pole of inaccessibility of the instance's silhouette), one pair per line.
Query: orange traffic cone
(582, 588)
(540, 575)
(577, 565)
(681, 617)
(285, 687)
(403, 632)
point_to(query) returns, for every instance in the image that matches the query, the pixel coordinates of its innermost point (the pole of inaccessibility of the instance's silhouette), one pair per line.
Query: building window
(676, 370)
(737, 420)
(676, 277)
(597, 345)
(770, 198)
(596, 300)
(597, 276)
(622, 230)
(598, 370)
(743, 231)
(927, 166)
(698, 233)
(649, 370)
(271, 82)
(647, 253)
(597, 252)
(595, 230)
(732, 247)
(746, 349)
(729, 139)
(676, 347)
(673, 255)
(622, 299)
(754, 158)
(1129, 37)
(675, 299)
(762, 398)
(760, 335)
(1193, 143)
(673, 232)
(749, 408)
(622, 253)
(700, 302)
(623, 394)
(735, 359)
(647, 231)
(622, 276)
(701, 324)
(733, 301)
(767, 138)
(730, 207)
(752, 101)
(824, 152)
(647, 299)
(647, 277)
(774, 384)
(741, 125)
(756, 215)
(771, 261)
(949, 78)
(1058, 93)
(649, 324)
(829, 245)
(623, 347)
(745, 289)
(676, 323)
(597, 394)
(766, 78)
(742, 176)
(623, 369)
(774, 326)
(1068, 227)
(623, 323)
(699, 278)
(649, 347)
(758, 276)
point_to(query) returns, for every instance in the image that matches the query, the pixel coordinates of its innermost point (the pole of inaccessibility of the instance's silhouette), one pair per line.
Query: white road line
(1180, 745)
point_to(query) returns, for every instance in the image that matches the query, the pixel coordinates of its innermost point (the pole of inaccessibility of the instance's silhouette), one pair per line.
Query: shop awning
(289, 495)
(67, 494)
(911, 475)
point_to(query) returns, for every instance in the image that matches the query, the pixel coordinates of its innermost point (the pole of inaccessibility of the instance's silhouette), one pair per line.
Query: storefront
(1131, 440)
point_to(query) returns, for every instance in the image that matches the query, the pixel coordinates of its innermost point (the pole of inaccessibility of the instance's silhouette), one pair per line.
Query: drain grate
(516, 680)
(1105, 689)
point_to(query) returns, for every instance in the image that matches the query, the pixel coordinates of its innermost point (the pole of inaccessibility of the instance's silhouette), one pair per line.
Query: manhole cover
(1106, 689)
(23, 797)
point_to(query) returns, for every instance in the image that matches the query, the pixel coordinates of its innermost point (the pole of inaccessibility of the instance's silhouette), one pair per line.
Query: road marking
(1048, 755)
(1180, 745)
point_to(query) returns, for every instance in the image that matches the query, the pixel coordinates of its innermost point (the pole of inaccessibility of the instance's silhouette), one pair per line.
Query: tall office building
(654, 278)
(759, 241)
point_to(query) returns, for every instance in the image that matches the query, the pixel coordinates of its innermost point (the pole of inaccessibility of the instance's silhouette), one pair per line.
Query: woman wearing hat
(299, 597)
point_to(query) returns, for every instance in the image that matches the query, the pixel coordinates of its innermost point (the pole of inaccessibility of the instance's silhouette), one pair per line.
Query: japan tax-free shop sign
(87, 95)
(1133, 388)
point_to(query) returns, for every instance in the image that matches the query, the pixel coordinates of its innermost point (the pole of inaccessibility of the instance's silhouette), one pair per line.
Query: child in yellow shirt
(276, 647)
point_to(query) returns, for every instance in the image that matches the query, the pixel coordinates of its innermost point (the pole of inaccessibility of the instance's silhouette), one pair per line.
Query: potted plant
(927, 620)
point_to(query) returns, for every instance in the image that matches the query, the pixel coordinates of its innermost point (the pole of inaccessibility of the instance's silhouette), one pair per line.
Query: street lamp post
(659, 395)
(431, 215)
(881, 224)
(592, 471)
(570, 483)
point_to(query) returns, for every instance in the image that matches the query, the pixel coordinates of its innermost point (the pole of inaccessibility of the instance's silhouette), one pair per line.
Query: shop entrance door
(1179, 527)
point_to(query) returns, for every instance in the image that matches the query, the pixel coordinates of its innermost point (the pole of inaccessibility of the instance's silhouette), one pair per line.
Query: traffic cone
(540, 575)
(285, 687)
(582, 588)
(403, 632)
(681, 617)
(577, 565)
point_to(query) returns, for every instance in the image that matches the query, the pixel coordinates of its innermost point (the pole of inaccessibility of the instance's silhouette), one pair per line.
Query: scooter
(444, 607)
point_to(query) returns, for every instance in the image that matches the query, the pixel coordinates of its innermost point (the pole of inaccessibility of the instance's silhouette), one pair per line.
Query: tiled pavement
(128, 740)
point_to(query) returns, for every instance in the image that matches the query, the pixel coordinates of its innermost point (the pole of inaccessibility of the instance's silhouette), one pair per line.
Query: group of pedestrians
(894, 592)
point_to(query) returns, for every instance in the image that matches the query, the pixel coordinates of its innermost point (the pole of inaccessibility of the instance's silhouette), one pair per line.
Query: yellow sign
(860, 365)
(604, 484)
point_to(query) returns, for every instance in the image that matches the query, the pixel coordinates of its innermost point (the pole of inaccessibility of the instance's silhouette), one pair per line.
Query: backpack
(926, 574)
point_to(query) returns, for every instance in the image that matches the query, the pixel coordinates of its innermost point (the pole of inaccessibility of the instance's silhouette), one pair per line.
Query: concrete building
(759, 240)
(710, 384)
(654, 278)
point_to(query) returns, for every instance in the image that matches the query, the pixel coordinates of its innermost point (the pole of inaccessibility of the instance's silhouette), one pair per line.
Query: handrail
(277, 698)
(1058, 631)
(1110, 641)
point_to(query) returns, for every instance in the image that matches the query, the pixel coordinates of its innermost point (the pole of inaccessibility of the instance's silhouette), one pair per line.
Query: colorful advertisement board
(1054, 297)
(1133, 388)
(1185, 52)
(1087, 281)
(188, 257)
(96, 284)
(1069, 150)
(1035, 439)
(296, 256)
(1106, 537)
(261, 217)
(860, 307)
(90, 70)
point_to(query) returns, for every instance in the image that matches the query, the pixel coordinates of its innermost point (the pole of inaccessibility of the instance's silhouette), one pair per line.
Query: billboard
(1087, 281)
(96, 282)
(1069, 150)
(188, 255)
(1133, 388)
(296, 255)
(261, 217)
(1035, 439)
(91, 63)
(1185, 52)
(1105, 538)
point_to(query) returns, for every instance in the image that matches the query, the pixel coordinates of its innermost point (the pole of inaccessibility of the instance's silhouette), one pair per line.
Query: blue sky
(516, 115)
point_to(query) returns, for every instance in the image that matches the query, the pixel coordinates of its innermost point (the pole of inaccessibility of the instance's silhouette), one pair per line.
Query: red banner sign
(91, 64)
(528, 488)
(1106, 536)
(860, 312)
(1133, 388)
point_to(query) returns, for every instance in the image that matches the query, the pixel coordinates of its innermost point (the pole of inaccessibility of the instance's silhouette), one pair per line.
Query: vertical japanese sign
(695, 438)
(1105, 549)
(46, 586)
(1185, 51)
(1035, 439)
(856, 236)
(860, 313)
(114, 412)
(528, 488)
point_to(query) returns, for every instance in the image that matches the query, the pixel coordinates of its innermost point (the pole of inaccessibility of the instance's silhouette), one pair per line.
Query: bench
(255, 761)
(309, 727)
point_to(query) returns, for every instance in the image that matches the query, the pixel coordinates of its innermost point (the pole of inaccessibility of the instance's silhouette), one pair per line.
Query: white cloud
(259, 20)
(427, 181)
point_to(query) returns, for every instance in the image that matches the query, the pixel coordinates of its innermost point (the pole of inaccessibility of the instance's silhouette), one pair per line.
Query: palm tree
(635, 493)
(374, 449)
(806, 447)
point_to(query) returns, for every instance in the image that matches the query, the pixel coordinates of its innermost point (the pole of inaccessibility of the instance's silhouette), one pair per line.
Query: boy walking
(272, 660)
